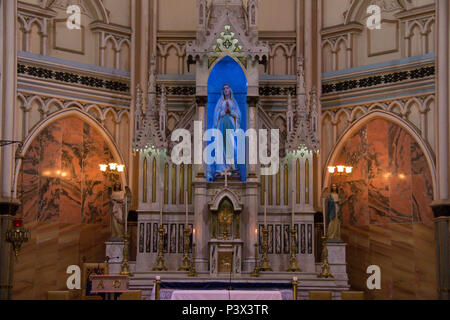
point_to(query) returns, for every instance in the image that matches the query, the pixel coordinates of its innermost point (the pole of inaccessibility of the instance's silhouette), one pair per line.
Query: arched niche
(227, 71)
(225, 221)
(393, 178)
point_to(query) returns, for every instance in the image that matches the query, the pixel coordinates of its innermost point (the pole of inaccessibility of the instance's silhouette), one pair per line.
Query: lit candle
(186, 201)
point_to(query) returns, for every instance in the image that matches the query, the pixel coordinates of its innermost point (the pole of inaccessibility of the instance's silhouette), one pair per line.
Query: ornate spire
(151, 88)
(150, 131)
(304, 133)
(163, 112)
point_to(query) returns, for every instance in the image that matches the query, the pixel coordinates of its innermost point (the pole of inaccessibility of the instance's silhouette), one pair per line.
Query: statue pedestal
(337, 259)
(114, 250)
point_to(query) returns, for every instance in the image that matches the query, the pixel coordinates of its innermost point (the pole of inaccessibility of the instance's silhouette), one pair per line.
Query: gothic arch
(95, 6)
(225, 193)
(356, 9)
(60, 115)
(348, 133)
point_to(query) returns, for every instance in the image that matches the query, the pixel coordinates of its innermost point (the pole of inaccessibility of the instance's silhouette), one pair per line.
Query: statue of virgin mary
(227, 117)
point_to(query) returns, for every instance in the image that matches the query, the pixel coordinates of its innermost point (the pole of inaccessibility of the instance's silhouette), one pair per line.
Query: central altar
(226, 188)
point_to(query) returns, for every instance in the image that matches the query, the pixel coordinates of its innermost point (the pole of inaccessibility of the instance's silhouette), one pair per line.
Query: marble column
(251, 205)
(443, 264)
(201, 211)
(442, 95)
(8, 14)
(441, 205)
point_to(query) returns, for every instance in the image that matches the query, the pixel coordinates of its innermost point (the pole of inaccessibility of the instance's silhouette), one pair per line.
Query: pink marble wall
(387, 218)
(65, 206)
(391, 181)
(60, 179)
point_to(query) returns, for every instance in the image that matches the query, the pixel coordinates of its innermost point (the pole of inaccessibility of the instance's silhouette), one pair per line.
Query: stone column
(251, 205)
(441, 205)
(201, 211)
(442, 225)
(9, 93)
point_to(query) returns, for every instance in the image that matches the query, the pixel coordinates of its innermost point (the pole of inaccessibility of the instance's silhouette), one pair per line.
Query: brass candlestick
(294, 288)
(293, 263)
(265, 263)
(255, 272)
(124, 267)
(186, 262)
(160, 265)
(325, 273)
(192, 271)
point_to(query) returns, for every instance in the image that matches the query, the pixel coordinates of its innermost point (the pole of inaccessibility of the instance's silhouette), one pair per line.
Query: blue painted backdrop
(227, 71)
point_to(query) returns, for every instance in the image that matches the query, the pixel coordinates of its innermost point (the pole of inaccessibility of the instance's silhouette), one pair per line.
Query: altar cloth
(225, 295)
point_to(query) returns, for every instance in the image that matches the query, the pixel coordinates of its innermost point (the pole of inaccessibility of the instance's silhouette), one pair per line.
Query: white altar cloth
(225, 295)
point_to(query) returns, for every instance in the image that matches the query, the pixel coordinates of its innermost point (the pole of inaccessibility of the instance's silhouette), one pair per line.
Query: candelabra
(255, 272)
(325, 273)
(186, 262)
(265, 263)
(160, 265)
(125, 268)
(293, 263)
(192, 271)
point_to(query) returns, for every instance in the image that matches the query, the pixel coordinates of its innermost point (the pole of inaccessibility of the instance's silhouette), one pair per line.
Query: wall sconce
(112, 168)
(340, 170)
(17, 235)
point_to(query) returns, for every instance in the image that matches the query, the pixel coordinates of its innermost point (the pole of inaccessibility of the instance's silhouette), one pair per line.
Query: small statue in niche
(333, 202)
(117, 196)
(225, 217)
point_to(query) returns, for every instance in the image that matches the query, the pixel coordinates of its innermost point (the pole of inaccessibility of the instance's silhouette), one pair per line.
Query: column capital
(441, 208)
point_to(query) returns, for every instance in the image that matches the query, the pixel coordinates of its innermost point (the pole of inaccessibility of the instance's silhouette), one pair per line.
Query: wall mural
(391, 181)
(60, 177)
(65, 206)
(387, 218)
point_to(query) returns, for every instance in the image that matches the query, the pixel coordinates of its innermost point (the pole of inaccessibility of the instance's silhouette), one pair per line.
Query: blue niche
(227, 72)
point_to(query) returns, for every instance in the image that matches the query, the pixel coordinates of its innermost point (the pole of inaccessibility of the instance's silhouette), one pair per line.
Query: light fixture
(17, 235)
(340, 170)
(112, 166)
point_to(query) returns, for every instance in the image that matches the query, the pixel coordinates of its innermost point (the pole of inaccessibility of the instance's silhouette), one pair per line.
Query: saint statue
(333, 204)
(227, 117)
(117, 209)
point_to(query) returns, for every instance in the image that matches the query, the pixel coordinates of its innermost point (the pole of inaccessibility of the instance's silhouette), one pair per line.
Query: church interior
(178, 149)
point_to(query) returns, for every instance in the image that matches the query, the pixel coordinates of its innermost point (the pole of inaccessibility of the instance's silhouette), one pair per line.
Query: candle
(126, 210)
(186, 201)
(158, 278)
(160, 211)
(323, 214)
(293, 209)
(265, 209)
(295, 278)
